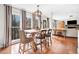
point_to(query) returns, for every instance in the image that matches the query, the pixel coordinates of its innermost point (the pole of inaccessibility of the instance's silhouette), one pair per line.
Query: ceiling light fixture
(38, 12)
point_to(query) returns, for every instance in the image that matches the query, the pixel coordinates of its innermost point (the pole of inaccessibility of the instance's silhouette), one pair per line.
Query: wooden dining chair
(48, 34)
(41, 36)
(24, 40)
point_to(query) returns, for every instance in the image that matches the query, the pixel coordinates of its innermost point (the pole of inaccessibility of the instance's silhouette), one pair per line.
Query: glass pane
(28, 23)
(15, 20)
(15, 33)
(29, 19)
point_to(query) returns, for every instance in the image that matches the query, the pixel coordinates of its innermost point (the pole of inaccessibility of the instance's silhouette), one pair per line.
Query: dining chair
(48, 34)
(41, 37)
(24, 40)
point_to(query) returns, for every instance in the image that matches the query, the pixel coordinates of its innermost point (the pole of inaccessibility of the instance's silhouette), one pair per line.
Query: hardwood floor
(59, 46)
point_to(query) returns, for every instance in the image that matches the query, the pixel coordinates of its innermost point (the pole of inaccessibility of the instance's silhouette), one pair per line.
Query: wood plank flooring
(59, 46)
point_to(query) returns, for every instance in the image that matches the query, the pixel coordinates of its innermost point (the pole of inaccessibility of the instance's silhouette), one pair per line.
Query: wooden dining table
(33, 32)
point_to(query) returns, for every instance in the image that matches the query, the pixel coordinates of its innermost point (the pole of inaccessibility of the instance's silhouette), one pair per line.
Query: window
(29, 20)
(28, 23)
(15, 26)
(44, 24)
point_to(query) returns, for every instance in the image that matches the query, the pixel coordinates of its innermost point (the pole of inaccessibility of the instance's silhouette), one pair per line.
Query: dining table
(31, 30)
(34, 32)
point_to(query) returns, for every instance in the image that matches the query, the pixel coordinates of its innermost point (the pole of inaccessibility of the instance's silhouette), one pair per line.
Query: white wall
(2, 23)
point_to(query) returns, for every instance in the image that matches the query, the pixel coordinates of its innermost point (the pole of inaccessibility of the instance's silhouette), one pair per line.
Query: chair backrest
(43, 33)
(22, 36)
(49, 31)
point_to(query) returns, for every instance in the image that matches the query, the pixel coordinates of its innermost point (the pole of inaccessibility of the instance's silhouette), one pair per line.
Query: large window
(28, 23)
(29, 20)
(15, 27)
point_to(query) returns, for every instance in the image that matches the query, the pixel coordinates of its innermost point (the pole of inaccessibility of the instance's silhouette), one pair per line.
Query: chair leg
(33, 46)
(41, 44)
(19, 48)
(28, 45)
(41, 47)
(23, 48)
(45, 43)
(50, 41)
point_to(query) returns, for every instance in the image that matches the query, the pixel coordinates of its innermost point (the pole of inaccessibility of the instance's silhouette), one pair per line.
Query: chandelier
(38, 12)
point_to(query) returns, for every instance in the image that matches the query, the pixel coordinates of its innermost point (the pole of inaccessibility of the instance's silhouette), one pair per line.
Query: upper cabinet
(61, 24)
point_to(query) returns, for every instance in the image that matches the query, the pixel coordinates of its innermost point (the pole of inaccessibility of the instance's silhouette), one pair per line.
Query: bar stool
(24, 40)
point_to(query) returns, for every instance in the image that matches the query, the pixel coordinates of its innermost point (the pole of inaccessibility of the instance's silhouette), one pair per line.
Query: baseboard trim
(66, 36)
(71, 37)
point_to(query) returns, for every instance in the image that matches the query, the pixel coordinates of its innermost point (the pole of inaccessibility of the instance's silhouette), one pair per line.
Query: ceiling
(55, 11)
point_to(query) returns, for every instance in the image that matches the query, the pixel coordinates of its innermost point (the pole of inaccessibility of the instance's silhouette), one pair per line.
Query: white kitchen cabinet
(71, 32)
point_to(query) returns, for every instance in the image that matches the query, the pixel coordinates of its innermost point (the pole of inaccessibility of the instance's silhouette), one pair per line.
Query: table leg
(65, 35)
